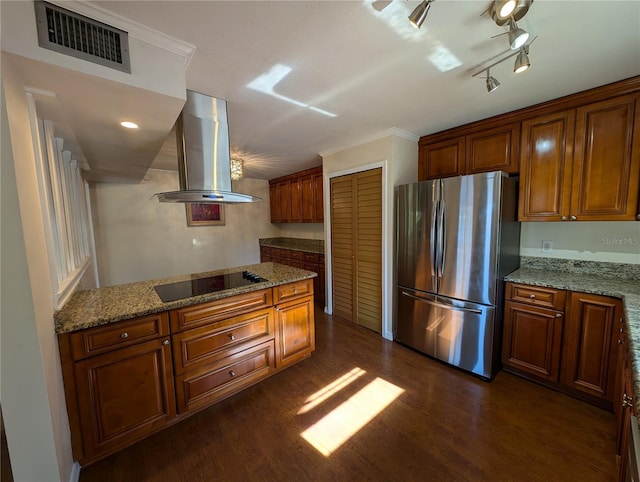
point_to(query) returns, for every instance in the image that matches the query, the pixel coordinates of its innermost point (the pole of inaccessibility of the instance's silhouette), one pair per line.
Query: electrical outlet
(547, 246)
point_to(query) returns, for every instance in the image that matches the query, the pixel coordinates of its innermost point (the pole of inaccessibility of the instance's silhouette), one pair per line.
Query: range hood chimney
(204, 164)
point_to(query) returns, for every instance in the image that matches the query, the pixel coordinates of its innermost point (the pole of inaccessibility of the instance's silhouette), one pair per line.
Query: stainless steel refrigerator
(456, 240)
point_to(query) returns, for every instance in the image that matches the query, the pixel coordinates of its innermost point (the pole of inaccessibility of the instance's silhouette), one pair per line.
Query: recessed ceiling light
(129, 125)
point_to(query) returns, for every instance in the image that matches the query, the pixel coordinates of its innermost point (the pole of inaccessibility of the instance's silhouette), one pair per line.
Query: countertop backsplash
(594, 268)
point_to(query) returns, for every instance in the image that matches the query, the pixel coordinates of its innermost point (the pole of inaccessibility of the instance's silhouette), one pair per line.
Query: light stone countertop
(626, 289)
(89, 308)
(296, 244)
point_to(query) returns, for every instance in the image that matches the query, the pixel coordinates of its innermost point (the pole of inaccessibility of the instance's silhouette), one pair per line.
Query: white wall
(301, 230)
(399, 154)
(32, 392)
(610, 241)
(138, 238)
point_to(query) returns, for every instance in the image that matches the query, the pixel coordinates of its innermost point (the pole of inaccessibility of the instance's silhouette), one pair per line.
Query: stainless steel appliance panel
(469, 216)
(454, 331)
(416, 208)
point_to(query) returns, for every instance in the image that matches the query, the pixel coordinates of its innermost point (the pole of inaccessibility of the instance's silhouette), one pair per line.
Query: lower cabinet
(624, 406)
(567, 340)
(126, 380)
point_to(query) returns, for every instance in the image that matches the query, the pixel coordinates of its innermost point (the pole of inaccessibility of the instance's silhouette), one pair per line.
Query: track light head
(492, 82)
(517, 36)
(522, 61)
(419, 13)
(502, 11)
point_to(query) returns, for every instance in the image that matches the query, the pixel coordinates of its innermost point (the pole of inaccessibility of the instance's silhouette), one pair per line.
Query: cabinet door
(306, 192)
(441, 159)
(284, 195)
(295, 196)
(494, 150)
(532, 340)
(320, 294)
(590, 346)
(274, 203)
(296, 331)
(124, 395)
(606, 161)
(318, 198)
(546, 155)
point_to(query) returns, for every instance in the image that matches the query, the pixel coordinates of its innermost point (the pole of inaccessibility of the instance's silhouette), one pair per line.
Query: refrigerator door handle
(432, 240)
(442, 305)
(443, 240)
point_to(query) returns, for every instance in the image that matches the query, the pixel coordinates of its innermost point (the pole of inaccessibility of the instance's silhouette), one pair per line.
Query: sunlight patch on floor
(338, 426)
(328, 391)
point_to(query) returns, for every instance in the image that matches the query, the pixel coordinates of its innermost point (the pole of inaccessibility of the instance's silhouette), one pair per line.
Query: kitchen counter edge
(101, 306)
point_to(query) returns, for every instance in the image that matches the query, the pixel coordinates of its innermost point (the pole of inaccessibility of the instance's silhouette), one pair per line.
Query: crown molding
(133, 28)
(394, 131)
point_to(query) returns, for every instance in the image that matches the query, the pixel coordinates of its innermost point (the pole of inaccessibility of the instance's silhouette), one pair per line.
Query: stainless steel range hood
(204, 164)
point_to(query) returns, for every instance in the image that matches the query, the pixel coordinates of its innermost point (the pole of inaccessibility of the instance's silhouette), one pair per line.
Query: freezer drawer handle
(442, 305)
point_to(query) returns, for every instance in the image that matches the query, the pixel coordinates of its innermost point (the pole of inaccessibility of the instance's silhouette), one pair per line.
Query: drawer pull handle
(532, 296)
(231, 337)
(558, 315)
(124, 335)
(165, 342)
(232, 373)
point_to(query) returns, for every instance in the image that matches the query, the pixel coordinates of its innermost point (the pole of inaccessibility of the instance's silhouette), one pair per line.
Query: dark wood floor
(444, 425)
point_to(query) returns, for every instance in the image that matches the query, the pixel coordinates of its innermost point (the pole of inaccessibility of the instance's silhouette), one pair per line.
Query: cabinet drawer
(536, 295)
(194, 348)
(102, 339)
(228, 376)
(205, 313)
(292, 290)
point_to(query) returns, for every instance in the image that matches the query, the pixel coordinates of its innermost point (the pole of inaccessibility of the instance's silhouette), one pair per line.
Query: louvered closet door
(342, 249)
(356, 227)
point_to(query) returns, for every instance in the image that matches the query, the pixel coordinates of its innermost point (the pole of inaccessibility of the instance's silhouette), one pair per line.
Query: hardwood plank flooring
(445, 425)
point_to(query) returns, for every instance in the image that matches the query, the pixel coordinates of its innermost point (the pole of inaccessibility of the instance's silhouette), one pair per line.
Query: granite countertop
(89, 308)
(296, 244)
(626, 289)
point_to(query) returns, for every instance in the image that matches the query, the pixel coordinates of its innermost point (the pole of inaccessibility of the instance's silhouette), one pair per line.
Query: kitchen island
(134, 364)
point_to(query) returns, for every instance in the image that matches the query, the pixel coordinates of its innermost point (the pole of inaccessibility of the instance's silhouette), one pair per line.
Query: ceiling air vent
(78, 36)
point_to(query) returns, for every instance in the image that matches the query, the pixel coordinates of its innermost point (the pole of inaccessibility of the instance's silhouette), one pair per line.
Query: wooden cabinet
(590, 345)
(567, 340)
(297, 198)
(533, 322)
(119, 384)
(482, 150)
(295, 323)
(624, 406)
(582, 164)
(128, 379)
(545, 167)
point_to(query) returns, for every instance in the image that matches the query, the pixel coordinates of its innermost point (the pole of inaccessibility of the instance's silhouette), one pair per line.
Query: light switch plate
(547, 246)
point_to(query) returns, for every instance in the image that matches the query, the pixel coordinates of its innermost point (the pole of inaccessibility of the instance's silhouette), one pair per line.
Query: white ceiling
(363, 63)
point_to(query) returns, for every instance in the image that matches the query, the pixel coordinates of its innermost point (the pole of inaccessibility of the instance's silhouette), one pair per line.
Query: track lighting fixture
(522, 63)
(517, 36)
(522, 60)
(502, 11)
(419, 14)
(492, 82)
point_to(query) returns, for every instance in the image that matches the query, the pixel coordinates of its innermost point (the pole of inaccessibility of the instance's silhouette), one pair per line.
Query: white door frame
(386, 281)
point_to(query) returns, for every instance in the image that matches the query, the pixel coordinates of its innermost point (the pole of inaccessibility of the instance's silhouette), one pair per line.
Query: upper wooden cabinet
(297, 198)
(487, 149)
(582, 164)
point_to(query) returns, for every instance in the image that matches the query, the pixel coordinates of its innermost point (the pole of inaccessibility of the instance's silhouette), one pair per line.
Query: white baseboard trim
(75, 472)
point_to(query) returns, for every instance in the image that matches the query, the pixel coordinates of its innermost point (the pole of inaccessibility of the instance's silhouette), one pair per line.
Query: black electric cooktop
(201, 286)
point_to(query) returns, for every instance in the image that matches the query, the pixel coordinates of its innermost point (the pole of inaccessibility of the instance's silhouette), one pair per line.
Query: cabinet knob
(165, 342)
(558, 315)
(621, 320)
(277, 309)
(637, 216)
(564, 218)
(573, 218)
(124, 335)
(532, 296)
(232, 373)
(619, 341)
(231, 337)
(295, 291)
(621, 330)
